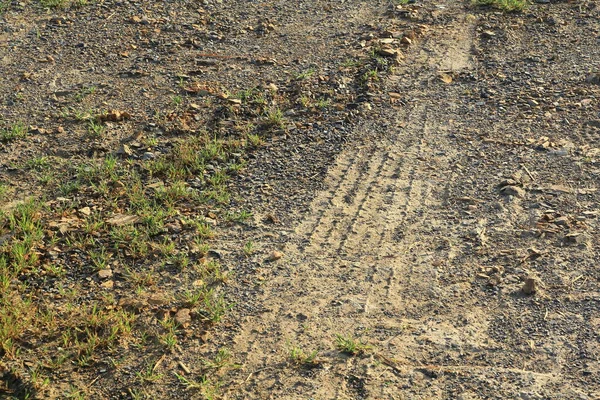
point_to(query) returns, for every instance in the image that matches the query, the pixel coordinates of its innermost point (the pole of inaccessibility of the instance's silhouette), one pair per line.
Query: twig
(158, 362)
(93, 381)
(528, 172)
(184, 367)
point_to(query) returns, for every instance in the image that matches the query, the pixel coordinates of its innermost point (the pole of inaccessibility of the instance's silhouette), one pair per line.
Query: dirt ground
(428, 230)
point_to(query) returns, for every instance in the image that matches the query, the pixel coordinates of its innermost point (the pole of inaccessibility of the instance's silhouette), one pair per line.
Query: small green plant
(3, 191)
(54, 3)
(12, 133)
(249, 248)
(369, 76)
(347, 344)
(95, 129)
(504, 5)
(349, 63)
(205, 386)
(299, 357)
(240, 216)
(38, 163)
(148, 375)
(323, 103)
(84, 92)
(177, 100)
(254, 140)
(306, 74)
(222, 360)
(274, 118)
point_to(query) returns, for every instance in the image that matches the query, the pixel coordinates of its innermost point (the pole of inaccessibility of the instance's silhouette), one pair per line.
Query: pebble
(275, 255)
(530, 286)
(105, 273)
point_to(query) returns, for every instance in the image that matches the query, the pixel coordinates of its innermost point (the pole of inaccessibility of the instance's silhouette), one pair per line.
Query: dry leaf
(445, 78)
(122, 219)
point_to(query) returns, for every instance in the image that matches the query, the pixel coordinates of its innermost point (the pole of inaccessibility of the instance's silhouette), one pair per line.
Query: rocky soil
(418, 185)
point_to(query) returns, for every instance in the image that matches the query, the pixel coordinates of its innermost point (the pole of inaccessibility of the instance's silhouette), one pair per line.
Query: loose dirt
(440, 215)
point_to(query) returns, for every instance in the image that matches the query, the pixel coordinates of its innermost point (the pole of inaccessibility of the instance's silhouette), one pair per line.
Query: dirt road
(299, 200)
(420, 243)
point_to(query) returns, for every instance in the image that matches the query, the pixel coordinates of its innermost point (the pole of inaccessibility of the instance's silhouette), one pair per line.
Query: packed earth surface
(299, 200)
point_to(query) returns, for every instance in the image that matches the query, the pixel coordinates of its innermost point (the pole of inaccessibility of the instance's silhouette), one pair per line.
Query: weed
(12, 133)
(254, 140)
(298, 356)
(504, 5)
(38, 163)
(349, 63)
(95, 129)
(323, 103)
(240, 216)
(84, 92)
(177, 100)
(207, 388)
(3, 191)
(369, 76)
(222, 360)
(274, 117)
(148, 375)
(249, 248)
(349, 345)
(214, 306)
(306, 74)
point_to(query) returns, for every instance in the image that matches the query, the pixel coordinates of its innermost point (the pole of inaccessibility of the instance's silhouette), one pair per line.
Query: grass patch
(138, 224)
(13, 133)
(349, 345)
(504, 5)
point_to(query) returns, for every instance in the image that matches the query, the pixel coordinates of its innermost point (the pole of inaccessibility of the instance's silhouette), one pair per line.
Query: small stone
(385, 52)
(107, 284)
(488, 34)
(275, 255)
(562, 221)
(406, 40)
(124, 150)
(574, 238)
(85, 211)
(147, 156)
(105, 273)
(183, 317)
(157, 300)
(530, 286)
(272, 87)
(515, 191)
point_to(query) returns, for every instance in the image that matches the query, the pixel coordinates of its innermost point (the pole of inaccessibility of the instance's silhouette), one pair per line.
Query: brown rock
(183, 317)
(157, 299)
(105, 273)
(275, 255)
(387, 52)
(574, 238)
(530, 286)
(107, 284)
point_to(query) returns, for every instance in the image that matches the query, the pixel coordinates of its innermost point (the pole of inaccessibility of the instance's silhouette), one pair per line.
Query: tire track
(367, 261)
